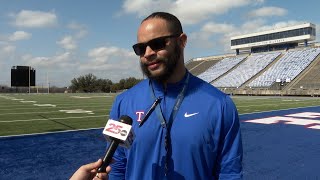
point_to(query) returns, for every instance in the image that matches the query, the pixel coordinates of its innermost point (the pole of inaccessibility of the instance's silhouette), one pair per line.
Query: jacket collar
(171, 88)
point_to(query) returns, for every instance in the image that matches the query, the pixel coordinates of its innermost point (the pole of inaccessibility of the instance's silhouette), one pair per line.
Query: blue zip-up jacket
(205, 134)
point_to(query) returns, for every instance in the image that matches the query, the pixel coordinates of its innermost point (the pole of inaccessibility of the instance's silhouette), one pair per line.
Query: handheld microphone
(118, 133)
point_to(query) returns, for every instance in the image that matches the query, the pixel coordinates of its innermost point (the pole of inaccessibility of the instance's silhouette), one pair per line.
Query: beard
(169, 63)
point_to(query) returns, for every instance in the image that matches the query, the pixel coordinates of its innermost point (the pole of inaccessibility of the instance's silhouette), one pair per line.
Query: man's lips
(154, 65)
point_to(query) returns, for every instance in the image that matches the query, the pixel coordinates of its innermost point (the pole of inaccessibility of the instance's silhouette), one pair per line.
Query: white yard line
(60, 107)
(48, 119)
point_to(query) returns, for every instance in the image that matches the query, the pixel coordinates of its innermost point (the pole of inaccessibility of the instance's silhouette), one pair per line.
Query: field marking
(300, 102)
(51, 132)
(315, 127)
(28, 101)
(45, 105)
(30, 107)
(300, 119)
(44, 112)
(77, 111)
(61, 103)
(48, 119)
(291, 100)
(278, 110)
(88, 97)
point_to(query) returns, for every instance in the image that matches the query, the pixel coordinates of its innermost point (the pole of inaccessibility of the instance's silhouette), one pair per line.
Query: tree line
(89, 83)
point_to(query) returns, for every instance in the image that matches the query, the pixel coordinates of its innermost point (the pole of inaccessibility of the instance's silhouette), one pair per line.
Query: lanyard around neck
(176, 106)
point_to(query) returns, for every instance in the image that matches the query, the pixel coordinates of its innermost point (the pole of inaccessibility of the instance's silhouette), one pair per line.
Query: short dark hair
(173, 22)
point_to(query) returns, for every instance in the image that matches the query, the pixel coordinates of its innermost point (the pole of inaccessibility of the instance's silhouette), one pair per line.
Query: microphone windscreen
(126, 119)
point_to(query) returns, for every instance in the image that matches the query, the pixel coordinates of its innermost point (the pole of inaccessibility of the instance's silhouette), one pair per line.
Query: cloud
(7, 52)
(212, 27)
(209, 33)
(267, 12)
(217, 35)
(81, 30)
(192, 12)
(8, 49)
(250, 26)
(112, 63)
(34, 19)
(59, 69)
(144, 7)
(7, 56)
(60, 60)
(261, 25)
(19, 35)
(68, 43)
(107, 57)
(188, 11)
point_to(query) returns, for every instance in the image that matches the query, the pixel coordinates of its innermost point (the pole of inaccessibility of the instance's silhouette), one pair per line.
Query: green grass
(250, 104)
(37, 113)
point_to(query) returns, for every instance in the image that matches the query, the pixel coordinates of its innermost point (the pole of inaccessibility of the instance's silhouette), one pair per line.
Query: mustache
(157, 60)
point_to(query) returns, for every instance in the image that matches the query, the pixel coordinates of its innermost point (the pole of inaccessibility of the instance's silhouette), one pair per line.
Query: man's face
(158, 64)
(162, 67)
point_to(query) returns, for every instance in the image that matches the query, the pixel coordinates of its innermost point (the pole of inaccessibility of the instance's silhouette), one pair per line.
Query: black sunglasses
(155, 44)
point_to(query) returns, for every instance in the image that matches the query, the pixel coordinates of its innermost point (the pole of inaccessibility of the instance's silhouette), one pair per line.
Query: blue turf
(50, 156)
(280, 151)
(277, 151)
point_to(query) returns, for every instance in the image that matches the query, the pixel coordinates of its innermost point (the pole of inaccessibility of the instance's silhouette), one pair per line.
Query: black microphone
(118, 132)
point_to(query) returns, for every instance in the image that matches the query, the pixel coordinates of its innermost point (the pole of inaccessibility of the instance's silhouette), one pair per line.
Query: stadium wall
(267, 92)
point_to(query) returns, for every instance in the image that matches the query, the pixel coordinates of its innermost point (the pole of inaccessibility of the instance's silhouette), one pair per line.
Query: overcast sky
(63, 39)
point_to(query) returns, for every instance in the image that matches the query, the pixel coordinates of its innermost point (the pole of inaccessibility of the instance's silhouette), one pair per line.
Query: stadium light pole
(48, 84)
(29, 78)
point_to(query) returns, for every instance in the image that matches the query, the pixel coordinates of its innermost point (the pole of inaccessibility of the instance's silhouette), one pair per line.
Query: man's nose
(149, 52)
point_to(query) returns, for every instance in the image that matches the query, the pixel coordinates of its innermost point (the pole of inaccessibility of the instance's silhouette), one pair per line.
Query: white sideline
(45, 112)
(44, 133)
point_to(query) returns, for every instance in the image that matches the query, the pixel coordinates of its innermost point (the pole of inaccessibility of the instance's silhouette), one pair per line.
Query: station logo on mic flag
(118, 130)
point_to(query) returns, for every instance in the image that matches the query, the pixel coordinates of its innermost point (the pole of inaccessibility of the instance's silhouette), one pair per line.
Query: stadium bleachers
(286, 68)
(291, 72)
(311, 79)
(220, 68)
(246, 70)
(204, 64)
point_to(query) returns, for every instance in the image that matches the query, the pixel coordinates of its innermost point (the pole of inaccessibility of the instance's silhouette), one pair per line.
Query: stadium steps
(192, 64)
(244, 85)
(308, 77)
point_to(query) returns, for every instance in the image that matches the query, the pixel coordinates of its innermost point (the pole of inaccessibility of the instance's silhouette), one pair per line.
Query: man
(193, 132)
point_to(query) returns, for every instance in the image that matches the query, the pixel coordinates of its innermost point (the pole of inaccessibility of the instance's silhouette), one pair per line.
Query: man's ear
(183, 40)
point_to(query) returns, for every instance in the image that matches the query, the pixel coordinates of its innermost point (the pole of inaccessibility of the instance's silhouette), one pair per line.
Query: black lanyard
(168, 124)
(176, 107)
